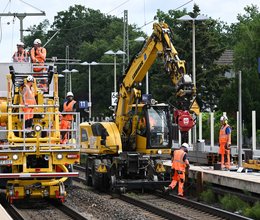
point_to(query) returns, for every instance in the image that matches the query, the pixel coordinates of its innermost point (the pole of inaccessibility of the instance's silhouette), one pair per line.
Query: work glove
(227, 146)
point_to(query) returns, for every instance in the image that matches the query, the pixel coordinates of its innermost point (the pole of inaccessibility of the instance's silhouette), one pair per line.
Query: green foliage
(244, 38)
(253, 212)
(233, 203)
(217, 125)
(89, 34)
(210, 44)
(208, 196)
(37, 31)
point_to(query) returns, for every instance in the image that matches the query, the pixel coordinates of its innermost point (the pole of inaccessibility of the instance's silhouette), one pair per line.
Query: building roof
(226, 58)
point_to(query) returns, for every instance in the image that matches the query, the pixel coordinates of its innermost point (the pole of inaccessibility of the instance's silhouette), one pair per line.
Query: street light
(189, 18)
(89, 84)
(68, 73)
(111, 52)
(142, 39)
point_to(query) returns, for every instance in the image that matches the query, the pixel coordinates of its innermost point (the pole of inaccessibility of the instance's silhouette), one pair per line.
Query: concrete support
(200, 126)
(253, 131)
(189, 137)
(237, 129)
(179, 138)
(199, 185)
(211, 129)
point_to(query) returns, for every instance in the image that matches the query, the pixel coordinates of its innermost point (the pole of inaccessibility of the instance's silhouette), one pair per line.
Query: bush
(233, 203)
(253, 212)
(208, 196)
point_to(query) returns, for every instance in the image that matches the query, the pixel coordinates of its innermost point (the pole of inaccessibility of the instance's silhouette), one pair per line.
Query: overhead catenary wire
(145, 24)
(31, 5)
(8, 3)
(12, 34)
(118, 6)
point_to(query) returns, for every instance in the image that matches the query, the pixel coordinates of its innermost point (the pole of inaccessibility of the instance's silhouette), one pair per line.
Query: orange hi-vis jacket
(223, 137)
(21, 57)
(178, 163)
(38, 55)
(28, 96)
(68, 108)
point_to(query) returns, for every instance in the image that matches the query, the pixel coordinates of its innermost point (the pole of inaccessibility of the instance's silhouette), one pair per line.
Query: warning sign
(195, 107)
(114, 98)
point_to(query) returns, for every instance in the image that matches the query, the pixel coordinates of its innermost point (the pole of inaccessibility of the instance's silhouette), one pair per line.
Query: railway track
(172, 207)
(40, 209)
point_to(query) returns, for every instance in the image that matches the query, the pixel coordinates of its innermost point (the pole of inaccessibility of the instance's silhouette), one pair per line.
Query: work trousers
(178, 177)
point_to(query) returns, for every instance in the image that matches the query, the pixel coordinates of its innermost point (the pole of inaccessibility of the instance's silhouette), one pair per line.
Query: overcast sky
(139, 12)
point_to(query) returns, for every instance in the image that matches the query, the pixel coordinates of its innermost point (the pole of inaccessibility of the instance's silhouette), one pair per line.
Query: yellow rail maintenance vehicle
(129, 152)
(38, 165)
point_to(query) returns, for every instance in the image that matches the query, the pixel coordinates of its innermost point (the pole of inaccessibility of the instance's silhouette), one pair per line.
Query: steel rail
(69, 211)
(10, 209)
(150, 208)
(202, 207)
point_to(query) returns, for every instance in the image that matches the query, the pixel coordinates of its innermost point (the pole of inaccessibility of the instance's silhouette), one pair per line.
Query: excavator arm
(159, 44)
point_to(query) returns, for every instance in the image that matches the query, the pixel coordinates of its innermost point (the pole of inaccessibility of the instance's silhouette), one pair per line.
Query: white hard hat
(70, 94)
(20, 44)
(30, 78)
(185, 145)
(223, 118)
(37, 41)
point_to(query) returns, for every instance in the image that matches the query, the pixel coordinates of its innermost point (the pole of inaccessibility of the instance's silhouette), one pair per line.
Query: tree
(246, 43)
(210, 44)
(89, 34)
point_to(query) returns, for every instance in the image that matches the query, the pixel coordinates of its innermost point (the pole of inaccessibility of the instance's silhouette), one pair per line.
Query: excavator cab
(154, 130)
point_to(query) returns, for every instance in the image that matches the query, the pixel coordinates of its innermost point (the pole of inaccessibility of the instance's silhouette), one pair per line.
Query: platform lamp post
(89, 84)
(189, 18)
(240, 144)
(142, 39)
(111, 52)
(68, 74)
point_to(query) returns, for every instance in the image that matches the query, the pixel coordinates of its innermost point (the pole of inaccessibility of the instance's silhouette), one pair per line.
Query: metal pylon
(125, 42)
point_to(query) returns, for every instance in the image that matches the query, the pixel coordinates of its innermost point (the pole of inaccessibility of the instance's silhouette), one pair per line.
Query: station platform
(3, 214)
(244, 181)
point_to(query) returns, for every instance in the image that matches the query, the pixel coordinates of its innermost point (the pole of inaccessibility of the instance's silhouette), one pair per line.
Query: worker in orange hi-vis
(28, 98)
(21, 55)
(38, 55)
(224, 142)
(67, 119)
(179, 164)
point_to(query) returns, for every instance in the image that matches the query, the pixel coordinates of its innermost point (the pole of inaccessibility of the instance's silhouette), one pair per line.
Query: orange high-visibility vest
(223, 137)
(178, 163)
(28, 96)
(38, 56)
(68, 108)
(21, 57)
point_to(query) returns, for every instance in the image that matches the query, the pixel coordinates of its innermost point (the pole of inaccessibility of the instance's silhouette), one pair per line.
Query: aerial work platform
(244, 181)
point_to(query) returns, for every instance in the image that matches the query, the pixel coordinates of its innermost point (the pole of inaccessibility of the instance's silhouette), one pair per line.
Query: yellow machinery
(252, 164)
(36, 166)
(129, 152)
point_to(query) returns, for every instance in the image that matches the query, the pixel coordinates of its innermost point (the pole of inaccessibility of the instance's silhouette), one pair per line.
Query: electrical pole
(126, 42)
(21, 16)
(67, 74)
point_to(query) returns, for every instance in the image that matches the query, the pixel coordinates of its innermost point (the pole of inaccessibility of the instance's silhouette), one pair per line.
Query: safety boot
(166, 188)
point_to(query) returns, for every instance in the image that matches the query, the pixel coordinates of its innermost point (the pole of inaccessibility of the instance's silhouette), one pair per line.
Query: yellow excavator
(38, 165)
(129, 152)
